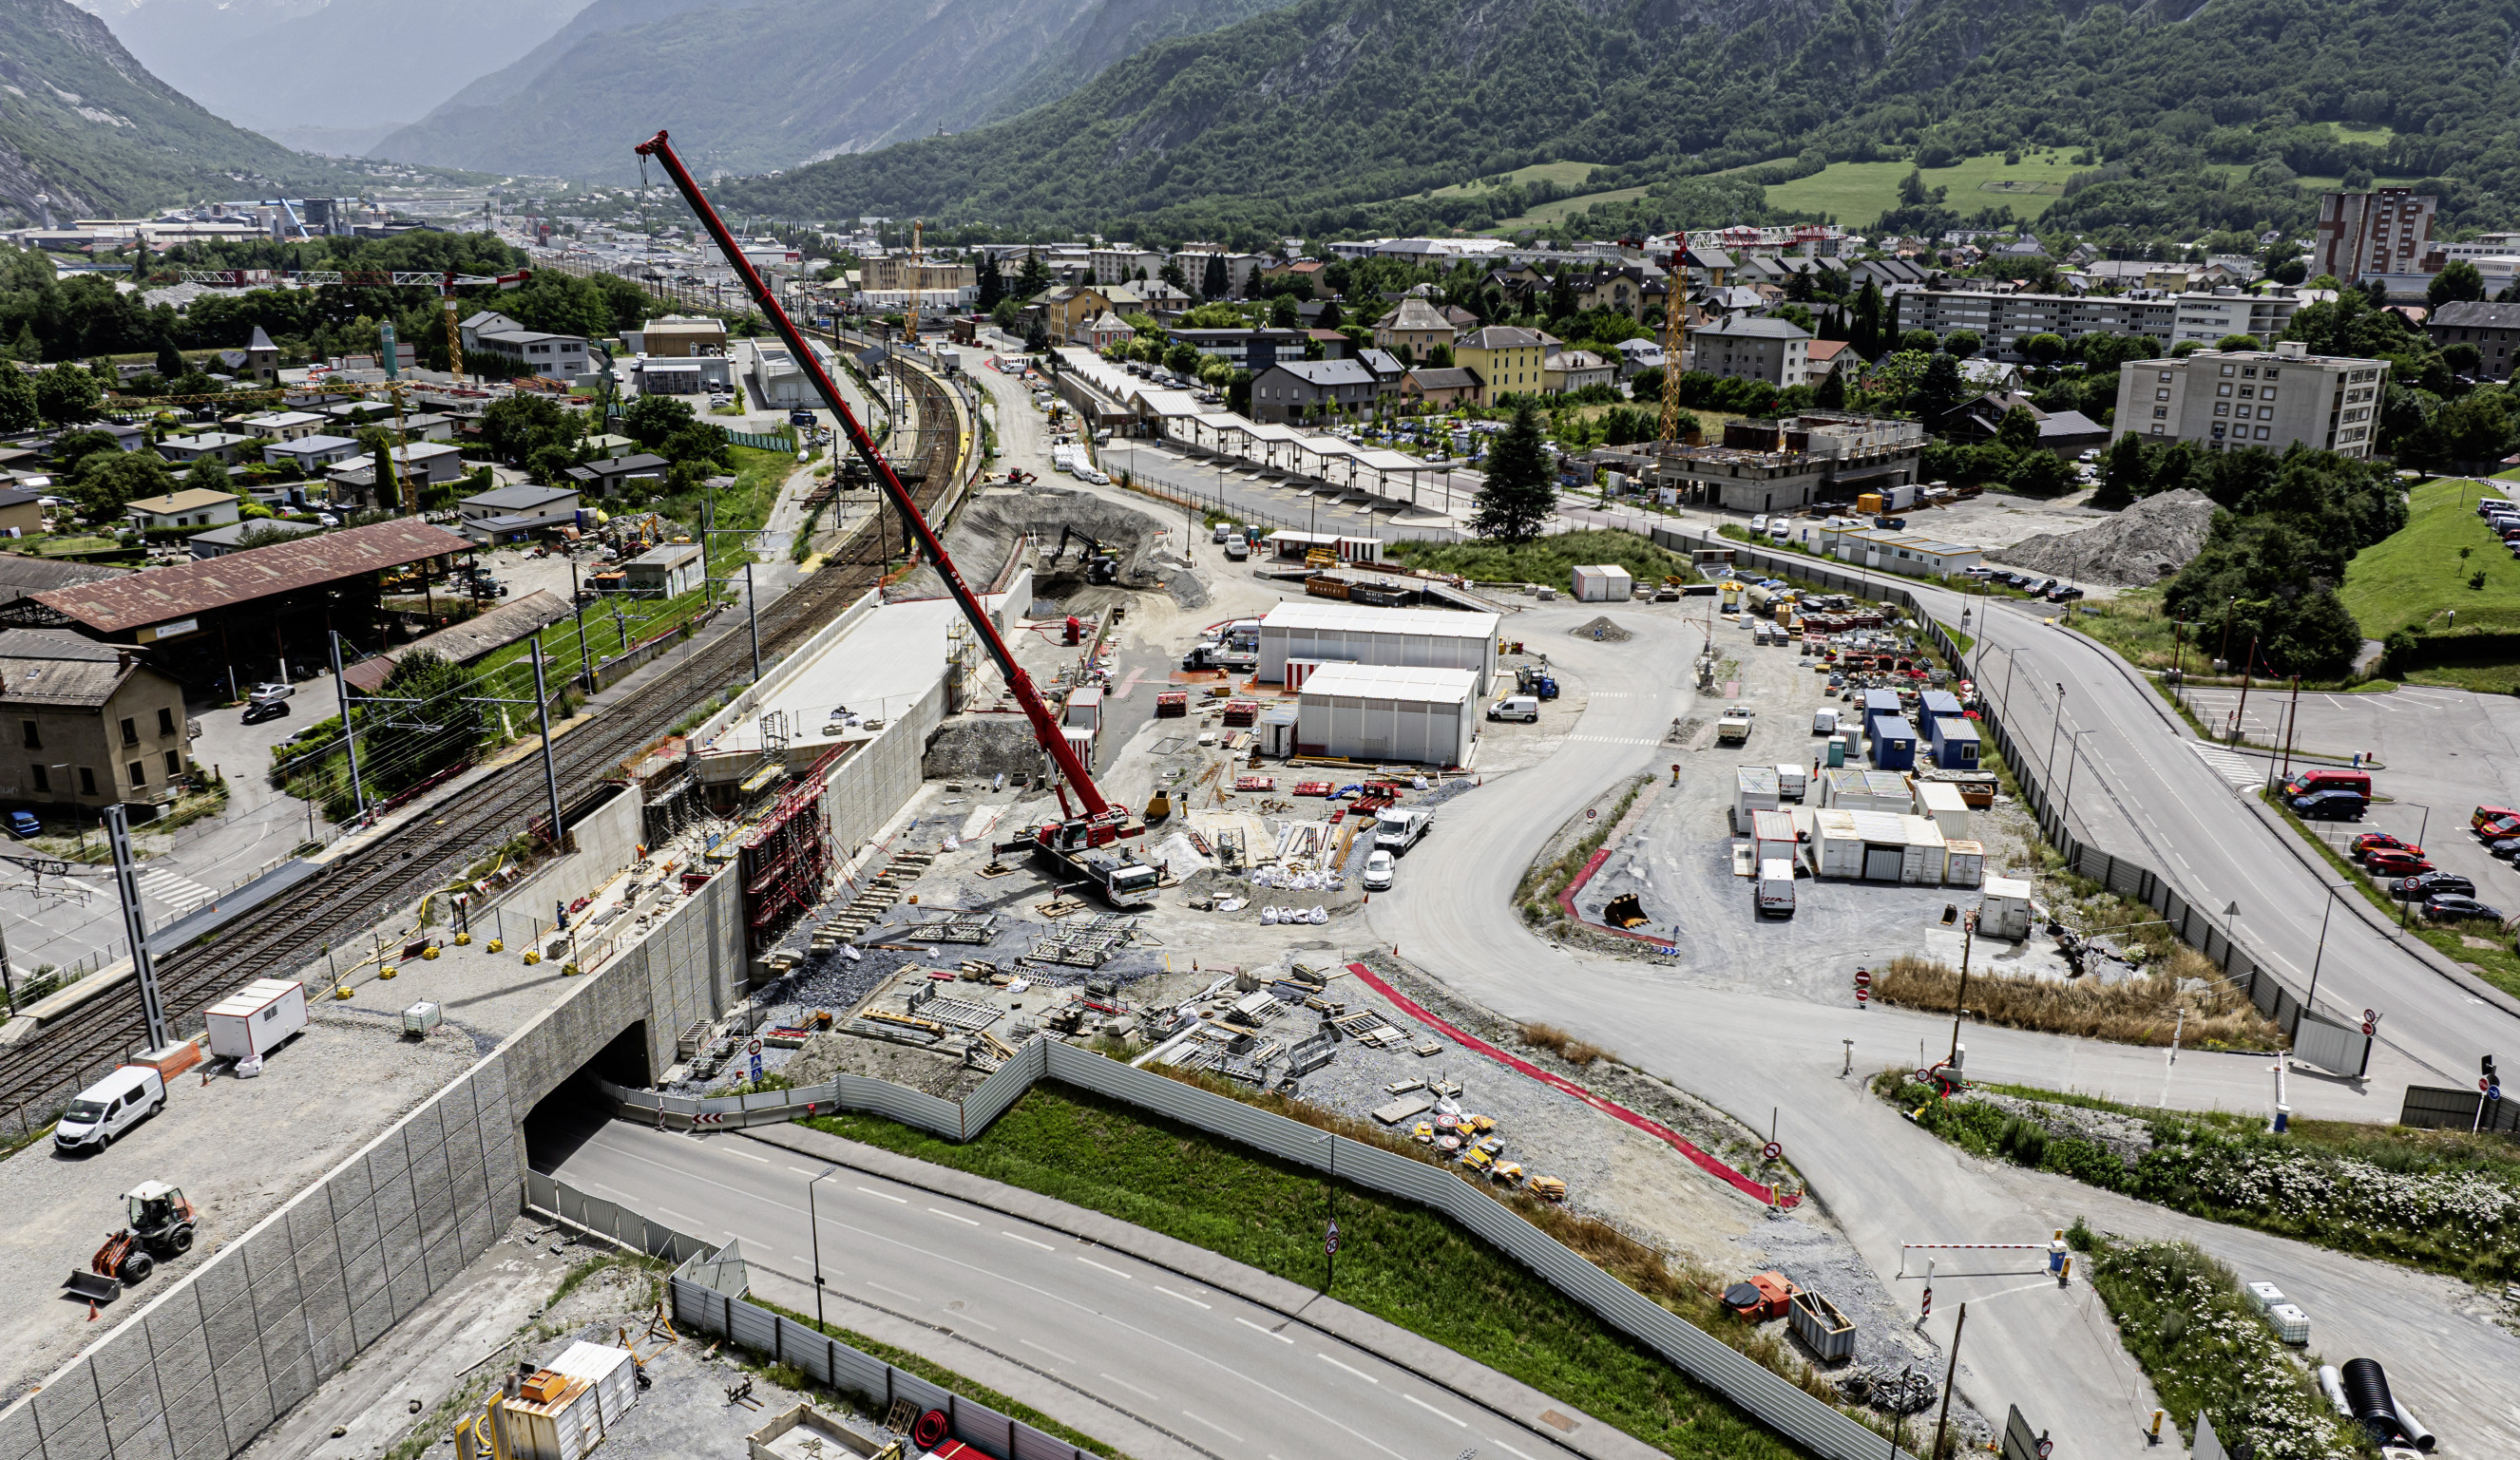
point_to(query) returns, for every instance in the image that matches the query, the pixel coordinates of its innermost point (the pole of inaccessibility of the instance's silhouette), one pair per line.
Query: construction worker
(2056, 1257)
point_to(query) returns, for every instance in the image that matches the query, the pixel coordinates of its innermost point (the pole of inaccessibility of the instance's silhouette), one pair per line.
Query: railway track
(349, 895)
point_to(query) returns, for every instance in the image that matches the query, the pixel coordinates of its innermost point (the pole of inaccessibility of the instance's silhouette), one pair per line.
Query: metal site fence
(2335, 1044)
(1816, 1427)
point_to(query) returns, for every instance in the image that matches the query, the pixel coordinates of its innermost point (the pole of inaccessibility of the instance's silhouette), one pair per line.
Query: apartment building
(2265, 398)
(1753, 347)
(2374, 235)
(2493, 329)
(2003, 320)
(1123, 265)
(902, 274)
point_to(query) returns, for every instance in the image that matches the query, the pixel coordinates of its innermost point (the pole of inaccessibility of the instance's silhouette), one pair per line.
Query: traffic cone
(91, 1311)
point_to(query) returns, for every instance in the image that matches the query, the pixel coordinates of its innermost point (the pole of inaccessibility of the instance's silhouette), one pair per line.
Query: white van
(1789, 782)
(1516, 707)
(1825, 722)
(108, 1108)
(1775, 888)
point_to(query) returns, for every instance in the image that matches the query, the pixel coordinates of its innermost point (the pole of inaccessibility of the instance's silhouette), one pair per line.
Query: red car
(2396, 863)
(2381, 841)
(2498, 827)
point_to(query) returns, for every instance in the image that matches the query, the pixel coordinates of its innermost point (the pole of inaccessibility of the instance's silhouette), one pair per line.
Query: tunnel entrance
(576, 1108)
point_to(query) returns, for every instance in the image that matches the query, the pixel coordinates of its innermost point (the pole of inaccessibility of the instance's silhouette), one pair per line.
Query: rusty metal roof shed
(139, 600)
(464, 642)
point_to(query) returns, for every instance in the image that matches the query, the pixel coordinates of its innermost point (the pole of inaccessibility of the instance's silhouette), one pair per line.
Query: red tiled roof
(162, 593)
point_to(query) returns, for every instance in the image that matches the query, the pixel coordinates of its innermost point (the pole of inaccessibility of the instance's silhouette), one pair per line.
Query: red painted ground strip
(1655, 1129)
(1566, 904)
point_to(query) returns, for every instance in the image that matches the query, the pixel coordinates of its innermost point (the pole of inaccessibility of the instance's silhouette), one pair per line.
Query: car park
(2431, 884)
(2396, 864)
(2450, 907)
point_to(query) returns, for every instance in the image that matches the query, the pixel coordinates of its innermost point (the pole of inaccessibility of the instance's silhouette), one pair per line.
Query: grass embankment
(2480, 946)
(2137, 1011)
(1866, 189)
(1397, 1260)
(1549, 560)
(2443, 1201)
(2443, 576)
(1537, 894)
(2183, 1319)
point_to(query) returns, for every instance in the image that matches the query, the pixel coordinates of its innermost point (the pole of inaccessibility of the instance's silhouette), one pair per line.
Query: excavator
(1100, 564)
(1084, 844)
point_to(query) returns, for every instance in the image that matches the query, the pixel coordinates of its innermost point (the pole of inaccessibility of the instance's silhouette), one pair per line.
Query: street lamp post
(2073, 757)
(814, 1231)
(2404, 908)
(1959, 1004)
(2312, 1002)
(2049, 764)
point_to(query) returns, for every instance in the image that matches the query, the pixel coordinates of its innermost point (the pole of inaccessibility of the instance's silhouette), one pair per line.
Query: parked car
(2506, 848)
(1378, 869)
(271, 689)
(261, 710)
(1758, 522)
(2477, 819)
(2498, 829)
(2328, 806)
(23, 823)
(2396, 863)
(2431, 884)
(2064, 595)
(2381, 841)
(2450, 907)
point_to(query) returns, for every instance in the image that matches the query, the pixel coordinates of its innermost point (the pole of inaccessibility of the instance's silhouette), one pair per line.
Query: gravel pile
(2146, 542)
(1605, 627)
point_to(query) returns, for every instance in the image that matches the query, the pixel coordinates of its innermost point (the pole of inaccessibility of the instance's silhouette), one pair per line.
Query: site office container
(1941, 800)
(1963, 864)
(256, 1018)
(1754, 790)
(1921, 862)
(1894, 743)
(1606, 583)
(1772, 837)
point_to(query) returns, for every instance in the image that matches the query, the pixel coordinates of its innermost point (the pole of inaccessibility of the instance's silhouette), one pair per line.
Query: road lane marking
(1114, 1272)
(962, 1318)
(886, 1195)
(1219, 1429)
(800, 1170)
(1053, 1353)
(679, 1217)
(1028, 1241)
(1336, 1364)
(949, 1217)
(1133, 1388)
(1270, 1332)
(748, 1156)
(1500, 1444)
(1437, 1413)
(1169, 1292)
(895, 1292)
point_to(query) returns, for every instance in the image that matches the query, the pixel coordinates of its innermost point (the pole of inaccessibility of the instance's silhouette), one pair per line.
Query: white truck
(1235, 647)
(1776, 887)
(1733, 729)
(1397, 828)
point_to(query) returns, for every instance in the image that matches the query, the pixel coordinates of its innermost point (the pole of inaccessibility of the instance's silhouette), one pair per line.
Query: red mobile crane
(1067, 844)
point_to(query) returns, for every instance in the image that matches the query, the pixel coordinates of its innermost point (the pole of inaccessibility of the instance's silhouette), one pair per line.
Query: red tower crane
(1100, 822)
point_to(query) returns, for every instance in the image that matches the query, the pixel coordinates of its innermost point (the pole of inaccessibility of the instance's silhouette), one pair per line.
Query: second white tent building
(1353, 634)
(1373, 712)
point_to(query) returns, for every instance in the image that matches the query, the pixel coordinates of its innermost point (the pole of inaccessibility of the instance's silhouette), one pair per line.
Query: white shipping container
(1923, 866)
(1838, 847)
(1772, 834)
(610, 1369)
(1941, 800)
(1754, 790)
(1964, 862)
(1840, 783)
(252, 1021)
(2003, 912)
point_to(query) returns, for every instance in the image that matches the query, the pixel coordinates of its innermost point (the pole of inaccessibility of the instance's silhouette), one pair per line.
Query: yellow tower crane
(1675, 342)
(910, 315)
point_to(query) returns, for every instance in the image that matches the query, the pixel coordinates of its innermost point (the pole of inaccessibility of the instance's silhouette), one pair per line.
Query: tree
(1331, 318)
(2038, 473)
(695, 442)
(1867, 337)
(1832, 392)
(1283, 314)
(170, 361)
(2239, 342)
(523, 424)
(1036, 336)
(993, 285)
(109, 480)
(2458, 281)
(2125, 476)
(2044, 349)
(651, 419)
(406, 743)
(1212, 280)
(1939, 389)
(1181, 357)
(1962, 343)
(380, 463)
(1924, 341)
(208, 474)
(1514, 503)
(67, 396)
(18, 409)
(1033, 277)
(2019, 431)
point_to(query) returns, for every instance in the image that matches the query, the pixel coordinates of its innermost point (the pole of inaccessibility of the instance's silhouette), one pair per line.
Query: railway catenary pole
(349, 738)
(1045, 727)
(550, 773)
(135, 927)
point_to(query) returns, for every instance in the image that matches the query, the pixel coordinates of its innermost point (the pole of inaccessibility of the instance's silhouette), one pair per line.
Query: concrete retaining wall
(219, 1353)
(871, 785)
(607, 840)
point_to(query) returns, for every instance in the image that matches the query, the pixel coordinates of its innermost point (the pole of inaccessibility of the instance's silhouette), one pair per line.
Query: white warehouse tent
(1402, 638)
(1373, 712)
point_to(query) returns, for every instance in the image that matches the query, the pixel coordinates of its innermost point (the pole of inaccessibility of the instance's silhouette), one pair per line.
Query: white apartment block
(2003, 320)
(2263, 398)
(1123, 265)
(2371, 235)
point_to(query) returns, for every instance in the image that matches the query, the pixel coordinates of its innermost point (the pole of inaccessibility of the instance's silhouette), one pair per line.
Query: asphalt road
(1220, 1376)
(1751, 1052)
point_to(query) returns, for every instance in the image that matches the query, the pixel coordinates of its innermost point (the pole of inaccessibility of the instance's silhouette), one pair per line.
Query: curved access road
(1709, 1022)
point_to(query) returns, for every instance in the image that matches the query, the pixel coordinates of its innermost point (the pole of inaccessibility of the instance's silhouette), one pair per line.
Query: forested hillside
(1336, 114)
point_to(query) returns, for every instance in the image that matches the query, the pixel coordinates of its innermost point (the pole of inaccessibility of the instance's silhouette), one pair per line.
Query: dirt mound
(1604, 629)
(2138, 546)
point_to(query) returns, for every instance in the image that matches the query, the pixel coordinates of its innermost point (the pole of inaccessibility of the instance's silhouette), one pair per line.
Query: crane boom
(1044, 725)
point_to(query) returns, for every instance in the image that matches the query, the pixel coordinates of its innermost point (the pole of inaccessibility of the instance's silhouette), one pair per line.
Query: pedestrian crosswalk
(182, 894)
(1614, 741)
(2238, 769)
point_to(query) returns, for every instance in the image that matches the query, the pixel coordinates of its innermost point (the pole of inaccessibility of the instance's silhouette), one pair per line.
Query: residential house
(490, 335)
(1461, 320)
(511, 514)
(224, 446)
(610, 474)
(311, 454)
(2067, 433)
(1254, 350)
(284, 425)
(1302, 270)
(1710, 268)
(2492, 329)
(1822, 357)
(426, 426)
(1065, 312)
(1415, 327)
(1638, 354)
(1982, 374)
(194, 507)
(22, 511)
(1386, 366)
(259, 361)
(93, 724)
(1122, 264)
(1575, 370)
(1328, 344)
(420, 463)
(1295, 389)
(679, 336)
(219, 542)
(1754, 347)
(1428, 388)
(1107, 329)
(688, 375)
(1506, 359)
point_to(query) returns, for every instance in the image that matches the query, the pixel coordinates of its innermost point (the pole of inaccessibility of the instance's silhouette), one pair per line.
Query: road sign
(754, 1046)
(2367, 1028)
(1589, 813)
(1772, 1150)
(2369, 1016)
(1329, 1243)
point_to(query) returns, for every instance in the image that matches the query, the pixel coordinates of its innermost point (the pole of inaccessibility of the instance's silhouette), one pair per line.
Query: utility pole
(550, 772)
(585, 660)
(1959, 1004)
(753, 619)
(2241, 714)
(1950, 1379)
(349, 738)
(126, 881)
